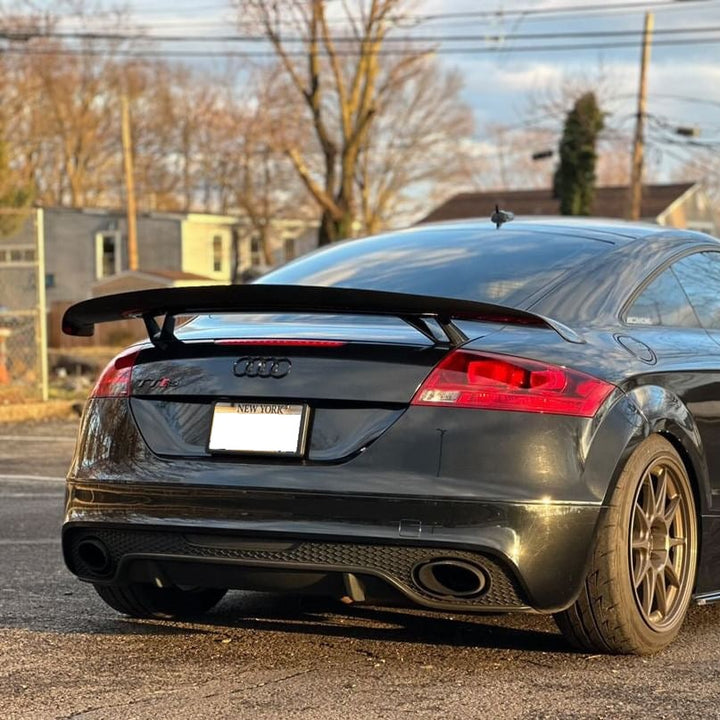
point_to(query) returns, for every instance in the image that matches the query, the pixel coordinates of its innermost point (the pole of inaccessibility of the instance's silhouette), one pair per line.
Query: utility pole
(636, 171)
(129, 184)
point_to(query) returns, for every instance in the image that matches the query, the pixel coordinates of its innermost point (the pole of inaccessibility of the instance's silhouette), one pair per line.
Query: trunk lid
(352, 380)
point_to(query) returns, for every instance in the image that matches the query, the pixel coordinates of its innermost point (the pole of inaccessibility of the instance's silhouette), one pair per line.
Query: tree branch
(321, 196)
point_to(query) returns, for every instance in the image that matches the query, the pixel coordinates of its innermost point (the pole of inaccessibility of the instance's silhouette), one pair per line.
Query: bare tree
(265, 184)
(702, 164)
(58, 105)
(81, 123)
(504, 159)
(416, 150)
(338, 79)
(22, 120)
(361, 137)
(149, 87)
(614, 160)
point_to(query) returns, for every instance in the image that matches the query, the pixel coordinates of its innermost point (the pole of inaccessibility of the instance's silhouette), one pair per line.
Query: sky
(506, 70)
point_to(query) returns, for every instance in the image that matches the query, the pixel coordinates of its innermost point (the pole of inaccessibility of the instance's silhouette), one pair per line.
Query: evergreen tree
(574, 182)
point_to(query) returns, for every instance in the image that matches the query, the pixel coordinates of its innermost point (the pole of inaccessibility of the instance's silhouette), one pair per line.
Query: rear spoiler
(432, 316)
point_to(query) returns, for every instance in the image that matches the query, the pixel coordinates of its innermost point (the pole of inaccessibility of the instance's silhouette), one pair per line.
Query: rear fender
(663, 412)
(640, 413)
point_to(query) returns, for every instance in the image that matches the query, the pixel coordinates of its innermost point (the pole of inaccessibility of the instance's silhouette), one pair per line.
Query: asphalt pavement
(64, 654)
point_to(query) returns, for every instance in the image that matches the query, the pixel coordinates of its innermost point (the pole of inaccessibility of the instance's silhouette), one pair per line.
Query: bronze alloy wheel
(642, 570)
(661, 553)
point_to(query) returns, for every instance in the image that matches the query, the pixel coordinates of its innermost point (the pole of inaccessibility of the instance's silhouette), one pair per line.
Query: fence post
(42, 304)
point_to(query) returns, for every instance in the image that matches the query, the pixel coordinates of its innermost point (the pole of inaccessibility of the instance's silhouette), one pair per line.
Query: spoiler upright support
(160, 337)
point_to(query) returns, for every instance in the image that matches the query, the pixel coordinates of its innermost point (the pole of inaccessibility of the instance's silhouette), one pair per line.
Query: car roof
(608, 229)
(566, 278)
(596, 292)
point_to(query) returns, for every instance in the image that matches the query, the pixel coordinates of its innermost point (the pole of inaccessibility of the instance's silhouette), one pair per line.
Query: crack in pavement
(272, 682)
(176, 691)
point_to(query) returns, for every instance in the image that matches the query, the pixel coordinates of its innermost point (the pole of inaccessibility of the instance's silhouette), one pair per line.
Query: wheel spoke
(671, 576)
(648, 495)
(674, 542)
(671, 509)
(641, 568)
(642, 523)
(648, 592)
(641, 529)
(661, 594)
(660, 495)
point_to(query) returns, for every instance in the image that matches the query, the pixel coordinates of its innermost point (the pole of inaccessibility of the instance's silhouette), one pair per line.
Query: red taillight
(468, 379)
(114, 381)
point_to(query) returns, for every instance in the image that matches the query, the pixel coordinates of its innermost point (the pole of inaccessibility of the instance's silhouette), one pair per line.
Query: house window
(217, 250)
(289, 247)
(108, 254)
(17, 255)
(49, 281)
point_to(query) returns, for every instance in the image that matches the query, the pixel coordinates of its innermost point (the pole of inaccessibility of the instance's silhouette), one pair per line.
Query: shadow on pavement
(241, 612)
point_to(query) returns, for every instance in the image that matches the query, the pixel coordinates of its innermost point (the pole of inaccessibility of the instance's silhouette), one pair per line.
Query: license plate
(265, 428)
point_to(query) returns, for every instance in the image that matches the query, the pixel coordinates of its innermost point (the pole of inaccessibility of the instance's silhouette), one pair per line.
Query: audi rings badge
(262, 367)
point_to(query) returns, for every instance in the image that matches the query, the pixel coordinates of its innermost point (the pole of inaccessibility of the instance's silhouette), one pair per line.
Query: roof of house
(166, 278)
(175, 275)
(609, 202)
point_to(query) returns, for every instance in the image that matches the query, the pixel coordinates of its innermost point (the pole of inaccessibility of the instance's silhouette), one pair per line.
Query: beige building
(206, 245)
(227, 248)
(86, 252)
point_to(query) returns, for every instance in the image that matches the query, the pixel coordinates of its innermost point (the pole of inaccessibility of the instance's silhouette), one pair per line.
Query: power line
(675, 156)
(149, 53)
(700, 144)
(176, 9)
(670, 125)
(686, 98)
(23, 35)
(585, 8)
(687, 143)
(666, 132)
(527, 12)
(450, 18)
(686, 158)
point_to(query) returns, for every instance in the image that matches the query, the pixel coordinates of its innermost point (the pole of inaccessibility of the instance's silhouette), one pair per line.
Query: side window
(699, 275)
(662, 302)
(108, 254)
(217, 253)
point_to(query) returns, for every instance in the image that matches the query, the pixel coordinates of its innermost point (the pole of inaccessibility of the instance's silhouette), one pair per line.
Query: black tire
(143, 600)
(642, 570)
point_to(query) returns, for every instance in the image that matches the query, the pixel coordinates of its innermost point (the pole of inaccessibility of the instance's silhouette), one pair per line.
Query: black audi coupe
(456, 416)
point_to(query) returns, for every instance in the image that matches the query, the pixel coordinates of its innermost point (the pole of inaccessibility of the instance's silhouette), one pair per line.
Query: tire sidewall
(640, 633)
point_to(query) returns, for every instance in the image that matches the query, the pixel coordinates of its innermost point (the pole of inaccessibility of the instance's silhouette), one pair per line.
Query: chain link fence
(23, 339)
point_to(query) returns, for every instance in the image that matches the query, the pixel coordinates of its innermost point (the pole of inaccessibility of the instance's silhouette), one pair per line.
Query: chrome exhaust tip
(94, 555)
(449, 578)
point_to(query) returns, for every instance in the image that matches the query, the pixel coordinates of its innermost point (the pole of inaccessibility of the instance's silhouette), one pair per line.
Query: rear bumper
(533, 554)
(522, 493)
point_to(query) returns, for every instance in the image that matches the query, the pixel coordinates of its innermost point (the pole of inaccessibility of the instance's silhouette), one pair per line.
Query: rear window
(504, 266)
